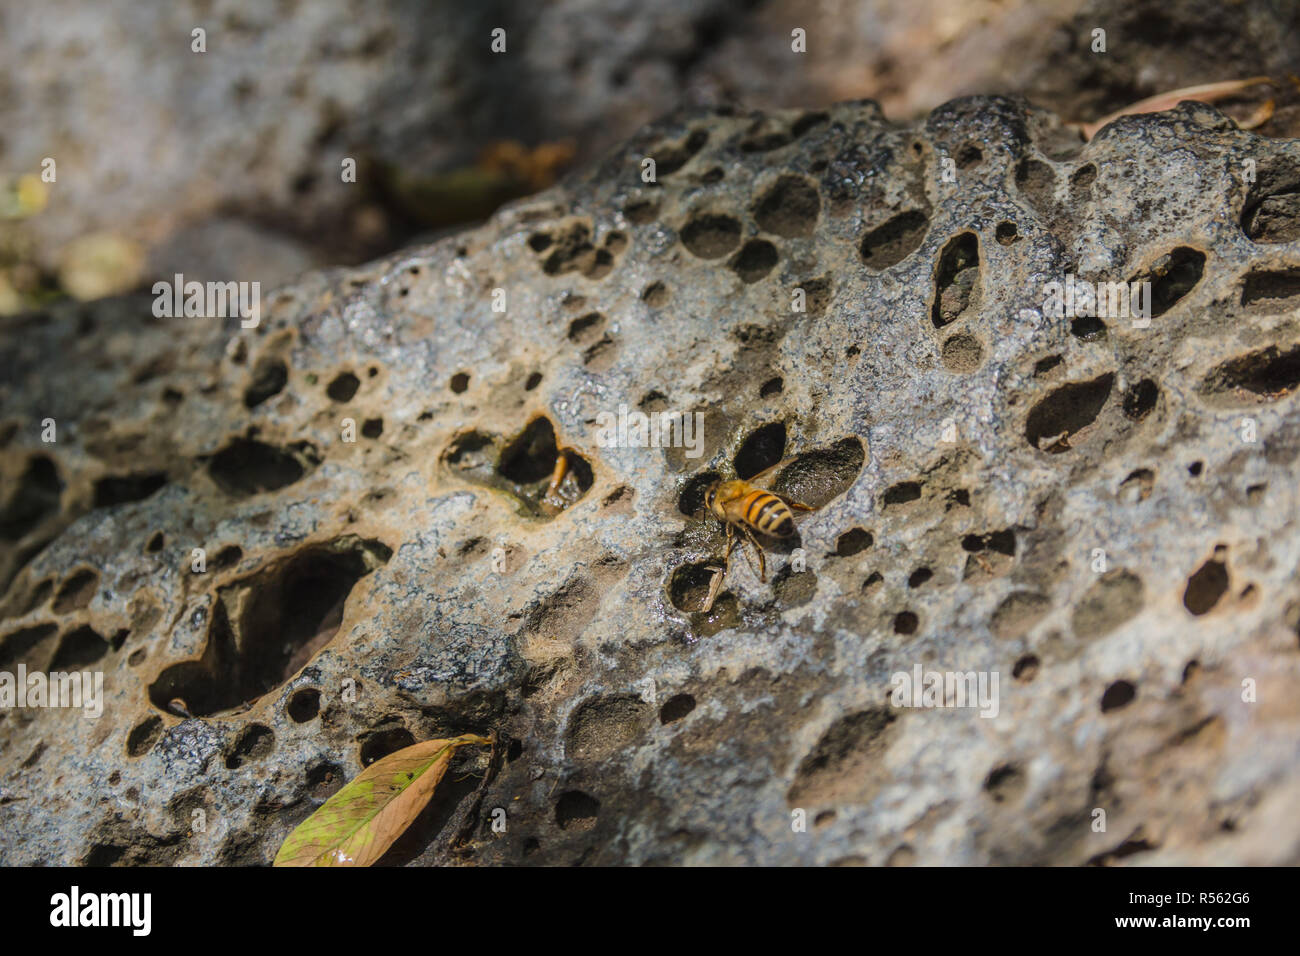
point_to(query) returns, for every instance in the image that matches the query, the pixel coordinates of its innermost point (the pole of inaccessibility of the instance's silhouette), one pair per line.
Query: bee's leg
(721, 575)
(750, 537)
(732, 541)
(796, 506)
(762, 561)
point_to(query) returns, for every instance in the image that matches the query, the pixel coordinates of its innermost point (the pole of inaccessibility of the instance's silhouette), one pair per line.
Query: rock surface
(1102, 514)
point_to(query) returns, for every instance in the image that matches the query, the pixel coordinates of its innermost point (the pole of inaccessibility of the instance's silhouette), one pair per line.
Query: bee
(745, 507)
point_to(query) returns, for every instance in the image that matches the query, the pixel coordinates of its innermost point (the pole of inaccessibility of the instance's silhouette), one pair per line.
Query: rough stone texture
(634, 728)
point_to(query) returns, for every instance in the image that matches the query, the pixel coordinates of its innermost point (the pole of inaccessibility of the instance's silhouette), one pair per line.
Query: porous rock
(1103, 514)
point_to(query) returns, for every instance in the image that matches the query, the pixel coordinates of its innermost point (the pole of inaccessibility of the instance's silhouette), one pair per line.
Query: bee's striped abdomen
(767, 513)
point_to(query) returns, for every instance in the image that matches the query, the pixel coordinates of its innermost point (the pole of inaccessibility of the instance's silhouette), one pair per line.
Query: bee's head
(711, 498)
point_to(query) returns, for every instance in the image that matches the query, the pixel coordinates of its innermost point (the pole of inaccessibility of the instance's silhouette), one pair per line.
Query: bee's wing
(767, 474)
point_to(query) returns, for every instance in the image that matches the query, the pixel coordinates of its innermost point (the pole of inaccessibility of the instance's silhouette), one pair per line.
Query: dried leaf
(360, 822)
(1206, 93)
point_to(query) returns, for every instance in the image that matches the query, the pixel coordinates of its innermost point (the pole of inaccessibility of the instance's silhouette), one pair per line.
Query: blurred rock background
(226, 164)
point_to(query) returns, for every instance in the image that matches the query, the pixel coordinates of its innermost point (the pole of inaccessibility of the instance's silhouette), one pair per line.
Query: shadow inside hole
(956, 280)
(36, 497)
(122, 489)
(380, 743)
(254, 743)
(265, 627)
(691, 500)
(763, 448)
(1065, 412)
(19, 644)
(530, 457)
(817, 477)
(247, 467)
(304, 705)
(1173, 276)
(439, 823)
(79, 649)
(688, 588)
(1262, 376)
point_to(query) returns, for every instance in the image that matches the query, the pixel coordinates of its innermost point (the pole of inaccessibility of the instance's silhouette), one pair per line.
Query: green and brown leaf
(360, 822)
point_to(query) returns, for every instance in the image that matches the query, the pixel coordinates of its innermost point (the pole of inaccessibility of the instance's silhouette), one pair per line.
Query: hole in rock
(17, 645)
(1271, 287)
(817, 477)
(906, 622)
(689, 586)
(956, 279)
(1140, 400)
(902, 493)
(1119, 694)
(76, 592)
(380, 743)
(524, 467)
(1065, 412)
(762, 449)
(1206, 587)
(36, 497)
(755, 260)
(304, 705)
(247, 466)
(1087, 328)
(788, 208)
(324, 780)
(853, 541)
(531, 456)
(676, 707)
(269, 376)
(1081, 182)
(655, 295)
(1263, 376)
(343, 387)
(710, 235)
(121, 489)
(639, 212)
(265, 627)
(1038, 182)
(78, 650)
(1026, 668)
(962, 354)
(843, 767)
(143, 736)
(254, 743)
(1172, 276)
(670, 157)
(1272, 209)
(576, 810)
(893, 241)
